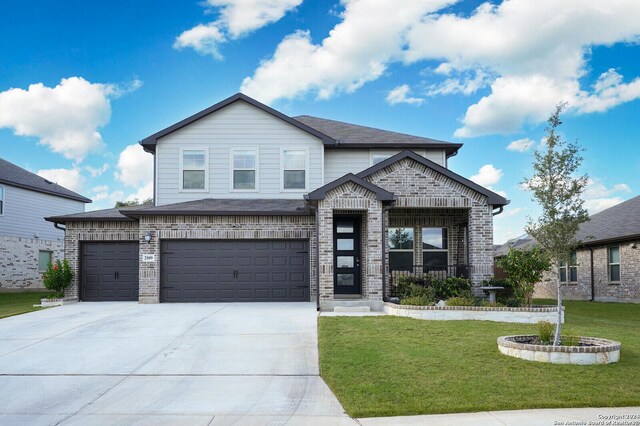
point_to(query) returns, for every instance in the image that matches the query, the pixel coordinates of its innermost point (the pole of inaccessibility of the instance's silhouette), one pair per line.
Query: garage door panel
(234, 270)
(109, 271)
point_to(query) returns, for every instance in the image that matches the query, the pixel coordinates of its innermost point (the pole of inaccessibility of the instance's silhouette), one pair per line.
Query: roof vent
(48, 181)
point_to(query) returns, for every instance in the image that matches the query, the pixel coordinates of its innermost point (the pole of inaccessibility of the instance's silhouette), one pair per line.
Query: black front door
(346, 255)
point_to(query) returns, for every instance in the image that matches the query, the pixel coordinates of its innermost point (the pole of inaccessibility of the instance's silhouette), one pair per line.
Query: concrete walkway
(548, 417)
(191, 364)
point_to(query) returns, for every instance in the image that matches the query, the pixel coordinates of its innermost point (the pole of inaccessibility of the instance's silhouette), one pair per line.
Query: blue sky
(82, 82)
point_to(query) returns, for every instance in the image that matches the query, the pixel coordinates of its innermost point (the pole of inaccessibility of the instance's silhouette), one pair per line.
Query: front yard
(20, 303)
(391, 366)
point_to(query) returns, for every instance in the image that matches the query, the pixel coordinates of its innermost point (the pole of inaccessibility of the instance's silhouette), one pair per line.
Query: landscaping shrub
(417, 301)
(434, 289)
(460, 301)
(546, 331)
(450, 287)
(487, 304)
(58, 277)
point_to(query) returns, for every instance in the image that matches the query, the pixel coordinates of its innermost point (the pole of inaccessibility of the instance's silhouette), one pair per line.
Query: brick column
(480, 243)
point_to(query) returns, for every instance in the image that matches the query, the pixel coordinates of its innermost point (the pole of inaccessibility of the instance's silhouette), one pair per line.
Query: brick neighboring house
(27, 242)
(254, 205)
(606, 267)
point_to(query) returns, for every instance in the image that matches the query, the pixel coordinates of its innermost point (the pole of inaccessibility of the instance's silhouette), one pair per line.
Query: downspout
(593, 287)
(500, 209)
(57, 226)
(384, 253)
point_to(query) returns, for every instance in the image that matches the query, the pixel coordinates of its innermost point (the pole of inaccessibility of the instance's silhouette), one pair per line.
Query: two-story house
(254, 205)
(27, 242)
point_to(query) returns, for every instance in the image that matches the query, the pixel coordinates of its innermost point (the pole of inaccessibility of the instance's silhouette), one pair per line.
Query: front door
(346, 255)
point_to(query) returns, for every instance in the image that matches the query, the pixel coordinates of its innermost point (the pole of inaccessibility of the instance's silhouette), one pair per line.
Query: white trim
(2, 198)
(155, 177)
(306, 171)
(447, 250)
(256, 152)
(609, 264)
(206, 168)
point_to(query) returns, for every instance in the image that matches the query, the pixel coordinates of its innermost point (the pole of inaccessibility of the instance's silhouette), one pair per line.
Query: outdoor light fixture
(148, 237)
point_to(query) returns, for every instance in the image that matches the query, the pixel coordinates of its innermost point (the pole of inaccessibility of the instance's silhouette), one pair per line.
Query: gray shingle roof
(355, 135)
(10, 174)
(615, 223)
(205, 207)
(618, 223)
(106, 215)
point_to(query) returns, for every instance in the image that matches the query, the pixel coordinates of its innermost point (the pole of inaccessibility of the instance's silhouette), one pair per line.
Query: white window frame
(412, 250)
(567, 270)
(306, 170)
(373, 153)
(50, 259)
(423, 250)
(206, 168)
(609, 264)
(2, 198)
(232, 168)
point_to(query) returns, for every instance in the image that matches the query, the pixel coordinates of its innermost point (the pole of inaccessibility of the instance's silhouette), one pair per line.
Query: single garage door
(109, 271)
(235, 270)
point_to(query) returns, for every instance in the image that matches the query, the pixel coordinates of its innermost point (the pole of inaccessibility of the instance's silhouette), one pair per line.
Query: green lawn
(390, 366)
(19, 303)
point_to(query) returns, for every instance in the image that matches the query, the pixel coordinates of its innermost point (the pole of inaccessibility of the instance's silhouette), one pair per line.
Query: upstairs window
(294, 169)
(570, 273)
(378, 158)
(194, 169)
(244, 170)
(400, 243)
(614, 263)
(1, 200)
(435, 249)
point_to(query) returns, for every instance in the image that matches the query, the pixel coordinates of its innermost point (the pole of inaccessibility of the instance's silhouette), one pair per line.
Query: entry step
(351, 309)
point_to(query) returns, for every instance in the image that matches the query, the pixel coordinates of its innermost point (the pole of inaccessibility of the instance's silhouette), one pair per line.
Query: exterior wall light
(148, 237)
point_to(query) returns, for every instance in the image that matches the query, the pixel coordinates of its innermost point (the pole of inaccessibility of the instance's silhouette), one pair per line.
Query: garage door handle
(302, 252)
(167, 287)
(301, 286)
(115, 275)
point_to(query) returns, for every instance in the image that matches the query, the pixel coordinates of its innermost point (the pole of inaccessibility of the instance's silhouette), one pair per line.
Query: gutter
(317, 215)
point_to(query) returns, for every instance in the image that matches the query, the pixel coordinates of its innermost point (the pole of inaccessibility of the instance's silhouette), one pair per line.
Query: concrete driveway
(125, 363)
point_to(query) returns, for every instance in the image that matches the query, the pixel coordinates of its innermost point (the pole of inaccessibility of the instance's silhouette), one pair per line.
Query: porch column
(325, 249)
(480, 243)
(373, 246)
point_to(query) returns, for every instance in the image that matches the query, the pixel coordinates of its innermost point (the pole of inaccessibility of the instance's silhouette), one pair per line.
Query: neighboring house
(253, 205)
(27, 242)
(606, 267)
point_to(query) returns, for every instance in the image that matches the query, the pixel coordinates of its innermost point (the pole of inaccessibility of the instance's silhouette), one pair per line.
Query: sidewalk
(627, 416)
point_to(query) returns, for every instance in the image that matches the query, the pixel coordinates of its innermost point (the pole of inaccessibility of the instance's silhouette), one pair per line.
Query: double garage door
(202, 271)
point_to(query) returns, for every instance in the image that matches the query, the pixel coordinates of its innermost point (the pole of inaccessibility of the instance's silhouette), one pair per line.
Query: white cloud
(97, 171)
(487, 176)
(143, 193)
(66, 118)
(69, 178)
(598, 204)
(521, 145)
(530, 54)
(399, 95)
(358, 49)
(597, 189)
(237, 18)
(510, 212)
(135, 166)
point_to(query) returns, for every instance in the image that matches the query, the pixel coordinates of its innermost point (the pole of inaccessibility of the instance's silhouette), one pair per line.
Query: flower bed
(530, 315)
(590, 350)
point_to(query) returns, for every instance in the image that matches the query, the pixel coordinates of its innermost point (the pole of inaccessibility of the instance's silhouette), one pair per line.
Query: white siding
(235, 126)
(24, 213)
(339, 162)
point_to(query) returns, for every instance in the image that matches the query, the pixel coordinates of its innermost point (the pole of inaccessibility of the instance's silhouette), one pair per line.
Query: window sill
(244, 190)
(194, 190)
(614, 283)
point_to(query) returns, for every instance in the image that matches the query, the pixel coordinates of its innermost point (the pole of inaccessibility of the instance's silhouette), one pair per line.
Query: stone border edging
(482, 313)
(605, 352)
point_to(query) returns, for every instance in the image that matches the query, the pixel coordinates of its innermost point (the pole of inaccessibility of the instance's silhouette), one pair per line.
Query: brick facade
(627, 289)
(19, 260)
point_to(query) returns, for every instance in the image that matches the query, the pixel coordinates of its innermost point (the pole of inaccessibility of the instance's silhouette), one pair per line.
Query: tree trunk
(556, 339)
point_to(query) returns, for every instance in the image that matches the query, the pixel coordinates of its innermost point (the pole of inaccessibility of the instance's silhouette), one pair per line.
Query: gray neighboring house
(606, 267)
(253, 205)
(27, 242)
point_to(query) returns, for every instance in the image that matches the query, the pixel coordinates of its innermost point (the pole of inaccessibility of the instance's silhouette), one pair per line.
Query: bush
(486, 303)
(512, 302)
(569, 338)
(460, 301)
(58, 277)
(417, 301)
(546, 331)
(450, 287)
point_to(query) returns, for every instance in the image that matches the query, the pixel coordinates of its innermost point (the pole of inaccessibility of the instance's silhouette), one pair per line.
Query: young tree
(133, 203)
(524, 268)
(558, 190)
